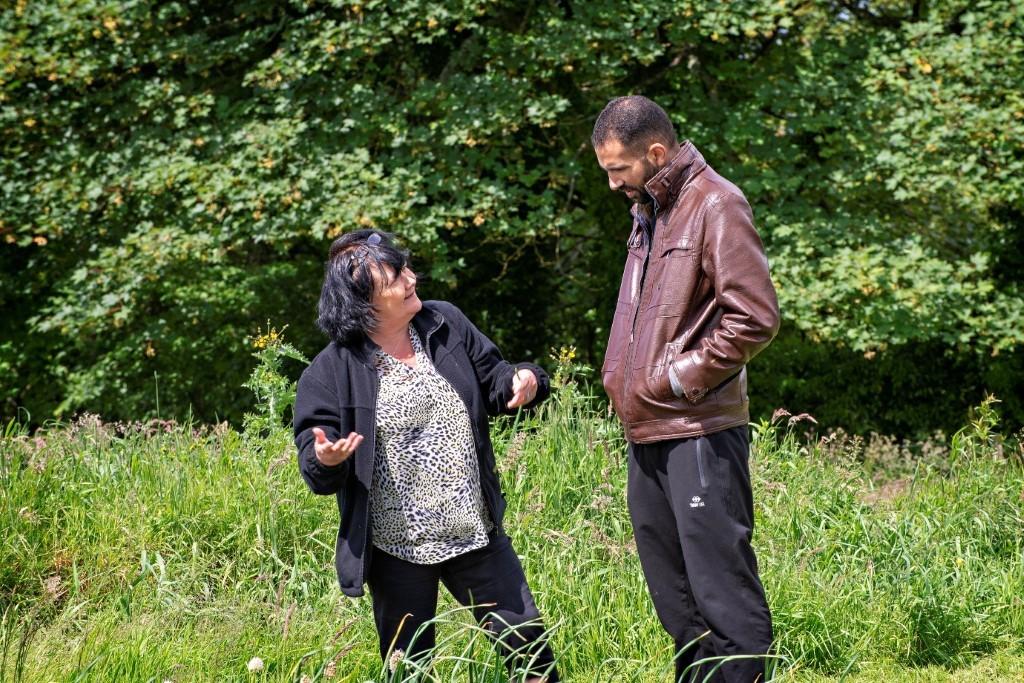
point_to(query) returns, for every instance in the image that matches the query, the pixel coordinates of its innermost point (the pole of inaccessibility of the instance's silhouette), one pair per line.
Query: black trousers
(490, 579)
(693, 517)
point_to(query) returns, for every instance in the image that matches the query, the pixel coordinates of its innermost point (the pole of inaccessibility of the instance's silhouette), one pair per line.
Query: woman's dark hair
(345, 312)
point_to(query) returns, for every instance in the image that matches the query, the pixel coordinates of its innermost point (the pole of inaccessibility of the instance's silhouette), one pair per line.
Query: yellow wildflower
(273, 337)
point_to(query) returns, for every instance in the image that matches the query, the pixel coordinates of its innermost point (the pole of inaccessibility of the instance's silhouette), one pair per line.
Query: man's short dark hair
(635, 122)
(345, 312)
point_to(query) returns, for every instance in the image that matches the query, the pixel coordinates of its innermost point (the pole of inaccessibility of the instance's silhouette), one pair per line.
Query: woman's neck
(391, 337)
(396, 343)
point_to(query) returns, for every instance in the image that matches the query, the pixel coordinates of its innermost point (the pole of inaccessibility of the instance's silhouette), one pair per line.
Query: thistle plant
(274, 391)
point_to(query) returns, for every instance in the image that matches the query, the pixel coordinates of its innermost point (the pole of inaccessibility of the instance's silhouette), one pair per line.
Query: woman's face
(394, 298)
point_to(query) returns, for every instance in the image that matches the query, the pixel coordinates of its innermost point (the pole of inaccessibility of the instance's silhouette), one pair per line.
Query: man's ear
(657, 154)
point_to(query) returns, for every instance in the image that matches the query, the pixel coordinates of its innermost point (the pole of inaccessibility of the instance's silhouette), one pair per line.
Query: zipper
(631, 354)
(643, 273)
(369, 492)
(700, 463)
(426, 339)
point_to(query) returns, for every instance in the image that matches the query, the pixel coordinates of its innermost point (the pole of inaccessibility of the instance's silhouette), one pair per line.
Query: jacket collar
(666, 185)
(426, 321)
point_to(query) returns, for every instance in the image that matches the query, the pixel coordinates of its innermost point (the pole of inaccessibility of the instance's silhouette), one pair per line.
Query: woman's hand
(332, 454)
(524, 388)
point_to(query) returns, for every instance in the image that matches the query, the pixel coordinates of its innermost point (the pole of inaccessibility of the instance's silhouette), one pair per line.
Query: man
(696, 303)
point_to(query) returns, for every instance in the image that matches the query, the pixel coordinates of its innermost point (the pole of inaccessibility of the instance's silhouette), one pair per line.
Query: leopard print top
(426, 505)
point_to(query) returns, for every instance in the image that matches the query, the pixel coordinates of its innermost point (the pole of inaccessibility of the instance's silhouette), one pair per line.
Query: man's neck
(651, 208)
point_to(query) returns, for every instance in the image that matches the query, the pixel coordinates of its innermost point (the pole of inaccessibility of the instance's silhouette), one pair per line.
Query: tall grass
(158, 551)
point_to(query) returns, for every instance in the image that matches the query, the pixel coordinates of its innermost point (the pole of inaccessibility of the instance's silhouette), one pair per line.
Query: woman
(392, 418)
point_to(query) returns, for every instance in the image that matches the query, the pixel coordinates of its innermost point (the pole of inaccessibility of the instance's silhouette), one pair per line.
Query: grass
(155, 552)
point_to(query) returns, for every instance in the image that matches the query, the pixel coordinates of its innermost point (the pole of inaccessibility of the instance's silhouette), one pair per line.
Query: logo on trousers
(696, 502)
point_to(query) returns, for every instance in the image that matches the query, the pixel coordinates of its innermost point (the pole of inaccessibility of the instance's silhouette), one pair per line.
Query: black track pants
(693, 516)
(491, 579)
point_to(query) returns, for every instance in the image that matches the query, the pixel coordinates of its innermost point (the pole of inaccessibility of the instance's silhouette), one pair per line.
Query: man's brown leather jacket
(698, 297)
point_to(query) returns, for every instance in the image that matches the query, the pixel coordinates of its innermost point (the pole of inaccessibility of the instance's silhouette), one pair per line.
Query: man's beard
(643, 198)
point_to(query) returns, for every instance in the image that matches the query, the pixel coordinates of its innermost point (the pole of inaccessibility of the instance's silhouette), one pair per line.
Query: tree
(173, 173)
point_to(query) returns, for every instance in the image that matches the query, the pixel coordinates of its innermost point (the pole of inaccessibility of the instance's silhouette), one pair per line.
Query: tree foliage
(172, 173)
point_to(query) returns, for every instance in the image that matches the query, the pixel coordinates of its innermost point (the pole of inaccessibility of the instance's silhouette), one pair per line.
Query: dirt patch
(886, 492)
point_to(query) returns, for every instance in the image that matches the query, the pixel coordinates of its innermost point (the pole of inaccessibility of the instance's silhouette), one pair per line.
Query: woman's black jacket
(338, 393)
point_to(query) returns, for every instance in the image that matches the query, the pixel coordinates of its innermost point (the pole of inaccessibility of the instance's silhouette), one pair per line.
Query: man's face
(629, 170)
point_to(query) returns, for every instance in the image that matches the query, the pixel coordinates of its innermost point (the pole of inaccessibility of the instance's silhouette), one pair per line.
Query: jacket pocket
(659, 382)
(672, 349)
(679, 248)
(676, 275)
(700, 464)
(657, 385)
(731, 392)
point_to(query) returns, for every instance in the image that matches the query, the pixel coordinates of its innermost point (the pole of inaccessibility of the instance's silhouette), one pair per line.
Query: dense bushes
(173, 171)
